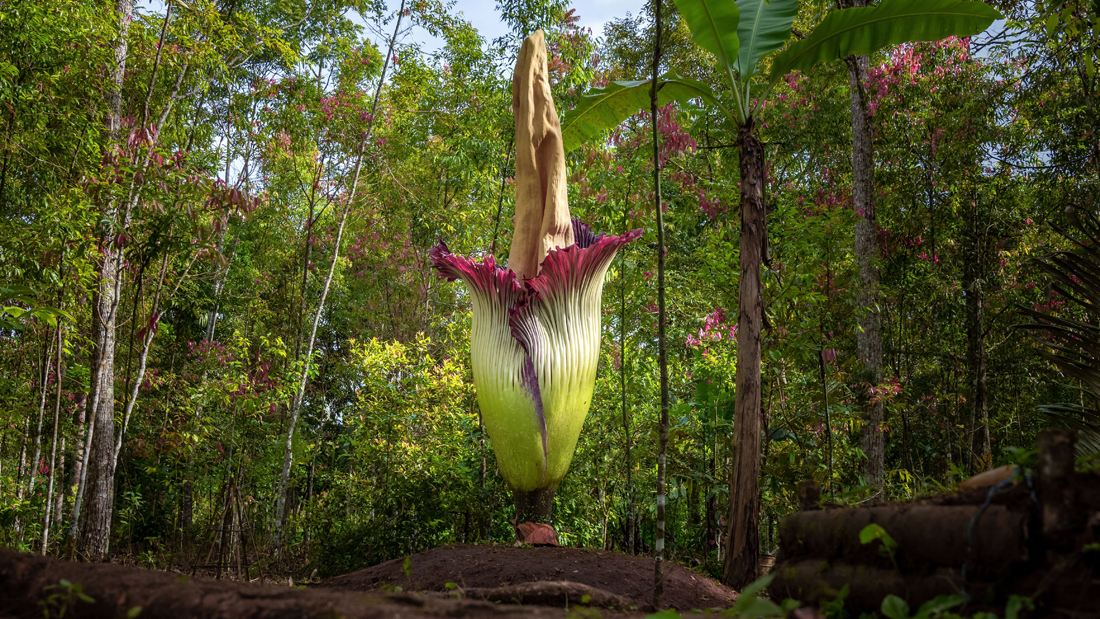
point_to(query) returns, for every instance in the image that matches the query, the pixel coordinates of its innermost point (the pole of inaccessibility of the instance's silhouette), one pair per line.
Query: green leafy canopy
(740, 34)
(861, 31)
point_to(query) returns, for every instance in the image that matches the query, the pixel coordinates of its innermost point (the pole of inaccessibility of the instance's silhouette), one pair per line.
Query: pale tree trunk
(59, 500)
(53, 444)
(19, 490)
(85, 432)
(98, 488)
(869, 335)
(296, 403)
(662, 358)
(47, 357)
(743, 536)
(146, 345)
(95, 528)
(79, 451)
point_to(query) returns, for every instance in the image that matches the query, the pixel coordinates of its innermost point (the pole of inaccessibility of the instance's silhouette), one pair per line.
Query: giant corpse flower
(535, 341)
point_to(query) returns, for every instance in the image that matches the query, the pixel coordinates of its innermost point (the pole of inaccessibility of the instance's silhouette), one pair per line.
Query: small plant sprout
(535, 340)
(889, 546)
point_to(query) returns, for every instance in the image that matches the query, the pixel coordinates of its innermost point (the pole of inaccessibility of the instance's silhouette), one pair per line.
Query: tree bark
(53, 444)
(973, 286)
(627, 436)
(869, 335)
(94, 542)
(47, 357)
(743, 537)
(79, 451)
(662, 354)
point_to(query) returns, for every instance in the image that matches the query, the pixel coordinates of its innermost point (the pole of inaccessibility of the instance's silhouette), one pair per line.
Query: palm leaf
(1086, 421)
(605, 108)
(862, 31)
(1072, 345)
(714, 26)
(764, 27)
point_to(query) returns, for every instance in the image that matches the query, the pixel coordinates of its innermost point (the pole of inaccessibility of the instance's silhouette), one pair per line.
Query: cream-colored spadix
(535, 340)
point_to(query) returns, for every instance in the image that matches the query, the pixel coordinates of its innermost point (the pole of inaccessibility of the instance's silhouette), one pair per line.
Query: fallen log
(1038, 538)
(816, 582)
(927, 536)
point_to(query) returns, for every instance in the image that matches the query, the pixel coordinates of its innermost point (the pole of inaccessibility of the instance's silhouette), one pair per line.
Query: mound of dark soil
(31, 586)
(475, 567)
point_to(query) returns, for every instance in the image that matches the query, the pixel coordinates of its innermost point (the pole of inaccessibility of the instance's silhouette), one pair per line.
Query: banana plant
(740, 35)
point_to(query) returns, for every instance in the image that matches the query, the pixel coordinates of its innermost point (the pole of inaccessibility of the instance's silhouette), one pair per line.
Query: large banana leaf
(864, 30)
(763, 28)
(714, 26)
(604, 108)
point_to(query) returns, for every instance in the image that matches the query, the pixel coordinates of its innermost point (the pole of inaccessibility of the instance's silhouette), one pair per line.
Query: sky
(484, 17)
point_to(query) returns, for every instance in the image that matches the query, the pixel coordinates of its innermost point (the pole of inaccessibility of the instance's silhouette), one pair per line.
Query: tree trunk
(869, 335)
(59, 501)
(973, 286)
(662, 355)
(53, 445)
(98, 499)
(47, 357)
(79, 450)
(627, 436)
(95, 535)
(143, 360)
(743, 537)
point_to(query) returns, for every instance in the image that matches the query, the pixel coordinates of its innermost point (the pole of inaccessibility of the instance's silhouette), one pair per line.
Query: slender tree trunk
(869, 335)
(47, 357)
(95, 536)
(53, 443)
(20, 488)
(973, 285)
(22, 466)
(627, 437)
(743, 536)
(712, 497)
(146, 344)
(662, 358)
(296, 403)
(80, 449)
(59, 500)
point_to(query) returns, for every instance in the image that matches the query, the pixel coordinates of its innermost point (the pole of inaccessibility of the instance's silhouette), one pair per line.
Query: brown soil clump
(481, 567)
(31, 585)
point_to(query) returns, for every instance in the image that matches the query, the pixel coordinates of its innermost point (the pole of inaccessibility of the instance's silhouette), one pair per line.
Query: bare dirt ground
(476, 567)
(490, 581)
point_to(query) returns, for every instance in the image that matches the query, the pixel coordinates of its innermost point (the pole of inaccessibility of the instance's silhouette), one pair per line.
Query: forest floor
(452, 581)
(480, 568)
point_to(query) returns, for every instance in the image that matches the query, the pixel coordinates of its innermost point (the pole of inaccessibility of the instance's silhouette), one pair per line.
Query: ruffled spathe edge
(484, 276)
(555, 318)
